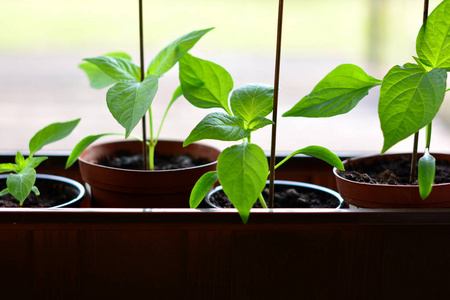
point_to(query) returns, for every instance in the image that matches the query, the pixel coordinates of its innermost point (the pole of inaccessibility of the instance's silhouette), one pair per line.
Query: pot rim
(144, 171)
(287, 182)
(336, 171)
(76, 184)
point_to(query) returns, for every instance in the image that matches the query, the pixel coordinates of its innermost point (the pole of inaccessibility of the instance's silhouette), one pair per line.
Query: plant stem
(152, 143)
(141, 46)
(428, 136)
(262, 201)
(275, 104)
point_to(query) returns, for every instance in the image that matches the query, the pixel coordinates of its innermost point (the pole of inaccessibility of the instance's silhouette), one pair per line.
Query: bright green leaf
(218, 126)
(117, 68)
(8, 167)
(82, 145)
(33, 162)
(242, 171)
(201, 188)
(337, 93)
(20, 184)
(252, 101)
(4, 192)
(129, 101)
(410, 97)
(433, 40)
(427, 171)
(204, 83)
(20, 161)
(50, 134)
(259, 122)
(172, 53)
(317, 152)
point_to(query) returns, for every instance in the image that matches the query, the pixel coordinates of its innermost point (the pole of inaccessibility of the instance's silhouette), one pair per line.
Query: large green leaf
(410, 97)
(129, 101)
(427, 171)
(201, 188)
(51, 133)
(82, 145)
(20, 184)
(252, 101)
(218, 126)
(317, 152)
(242, 171)
(119, 69)
(97, 78)
(204, 83)
(172, 53)
(433, 40)
(337, 93)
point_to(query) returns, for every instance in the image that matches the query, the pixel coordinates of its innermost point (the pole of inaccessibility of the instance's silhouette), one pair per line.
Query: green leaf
(20, 161)
(35, 190)
(410, 97)
(82, 145)
(117, 68)
(252, 101)
(50, 134)
(20, 184)
(242, 171)
(259, 122)
(34, 162)
(337, 93)
(201, 188)
(317, 152)
(433, 40)
(218, 126)
(129, 101)
(204, 83)
(4, 192)
(172, 53)
(427, 171)
(8, 167)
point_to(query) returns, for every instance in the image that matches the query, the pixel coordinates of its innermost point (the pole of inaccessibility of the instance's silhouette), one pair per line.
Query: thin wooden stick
(413, 172)
(143, 121)
(275, 104)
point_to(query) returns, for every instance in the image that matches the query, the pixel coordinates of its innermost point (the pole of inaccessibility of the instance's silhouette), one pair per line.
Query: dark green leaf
(410, 97)
(129, 101)
(82, 145)
(218, 126)
(252, 101)
(201, 188)
(427, 170)
(242, 171)
(172, 53)
(97, 78)
(117, 68)
(433, 40)
(259, 122)
(317, 152)
(20, 184)
(50, 134)
(337, 93)
(204, 84)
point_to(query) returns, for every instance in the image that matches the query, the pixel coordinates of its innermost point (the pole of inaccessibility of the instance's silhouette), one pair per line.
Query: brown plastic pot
(114, 187)
(390, 196)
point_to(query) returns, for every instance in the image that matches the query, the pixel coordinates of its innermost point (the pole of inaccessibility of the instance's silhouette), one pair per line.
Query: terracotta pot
(73, 189)
(113, 187)
(390, 196)
(293, 184)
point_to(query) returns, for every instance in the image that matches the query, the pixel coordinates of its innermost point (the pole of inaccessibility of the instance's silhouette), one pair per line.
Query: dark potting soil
(286, 197)
(391, 172)
(125, 160)
(52, 193)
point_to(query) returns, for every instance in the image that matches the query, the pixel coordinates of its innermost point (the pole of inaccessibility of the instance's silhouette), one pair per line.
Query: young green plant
(130, 99)
(410, 95)
(22, 177)
(242, 169)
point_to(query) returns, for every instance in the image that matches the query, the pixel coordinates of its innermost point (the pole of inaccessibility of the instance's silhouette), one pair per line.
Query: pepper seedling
(410, 95)
(22, 177)
(242, 169)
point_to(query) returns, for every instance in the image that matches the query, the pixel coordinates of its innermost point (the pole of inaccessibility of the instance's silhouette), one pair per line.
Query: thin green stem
(152, 142)
(263, 202)
(428, 136)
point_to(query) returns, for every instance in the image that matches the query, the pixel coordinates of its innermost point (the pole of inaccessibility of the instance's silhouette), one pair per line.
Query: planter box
(207, 254)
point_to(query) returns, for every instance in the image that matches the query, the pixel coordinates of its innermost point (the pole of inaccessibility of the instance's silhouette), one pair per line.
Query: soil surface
(391, 172)
(124, 160)
(52, 193)
(286, 197)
